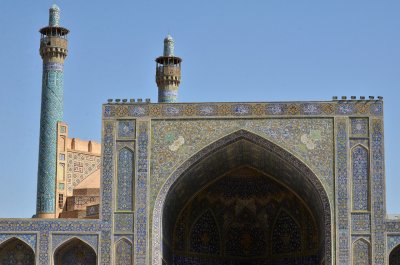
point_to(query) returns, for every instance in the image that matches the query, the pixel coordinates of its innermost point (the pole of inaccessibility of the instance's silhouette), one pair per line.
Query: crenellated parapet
(344, 107)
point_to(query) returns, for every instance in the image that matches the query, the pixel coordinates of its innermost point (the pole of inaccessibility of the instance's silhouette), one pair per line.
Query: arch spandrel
(175, 141)
(29, 239)
(252, 150)
(62, 239)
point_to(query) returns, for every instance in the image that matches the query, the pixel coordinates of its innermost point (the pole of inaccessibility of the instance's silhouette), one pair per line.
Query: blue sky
(232, 50)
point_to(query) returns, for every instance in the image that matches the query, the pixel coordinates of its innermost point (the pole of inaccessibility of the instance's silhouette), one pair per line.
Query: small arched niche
(123, 252)
(16, 252)
(75, 251)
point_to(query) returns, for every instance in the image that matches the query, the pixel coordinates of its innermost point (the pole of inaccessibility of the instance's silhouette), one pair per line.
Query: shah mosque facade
(245, 183)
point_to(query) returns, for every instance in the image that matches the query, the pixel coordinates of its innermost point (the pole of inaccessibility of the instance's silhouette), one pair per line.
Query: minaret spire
(54, 16)
(168, 73)
(169, 46)
(53, 50)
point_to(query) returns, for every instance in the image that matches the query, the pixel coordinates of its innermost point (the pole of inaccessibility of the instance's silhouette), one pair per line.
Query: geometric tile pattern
(44, 257)
(361, 252)
(392, 242)
(286, 235)
(392, 226)
(51, 113)
(371, 108)
(342, 191)
(123, 223)
(79, 167)
(59, 239)
(247, 214)
(360, 222)
(123, 252)
(360, 182)
(125, 182)
(359, 127)
(126, 129)
(108, 145)
(141, 218)
(204, 237)
(378, 192)
(167, 95)
(54, 16)
(174, 141)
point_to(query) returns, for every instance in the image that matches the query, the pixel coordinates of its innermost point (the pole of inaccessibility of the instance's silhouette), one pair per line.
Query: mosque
(216, 183)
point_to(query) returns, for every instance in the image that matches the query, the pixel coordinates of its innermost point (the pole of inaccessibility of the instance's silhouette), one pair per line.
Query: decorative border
(44, 258)
(342, 191)
(329, 108)
(392, 226)
(241, 134)
(107, 192)
(141, 216)
(378, 192)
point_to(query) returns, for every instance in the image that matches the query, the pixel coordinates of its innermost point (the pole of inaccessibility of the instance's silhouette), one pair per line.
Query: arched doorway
(242, 201)
(394, 257)
(16, 252)
(75, 252)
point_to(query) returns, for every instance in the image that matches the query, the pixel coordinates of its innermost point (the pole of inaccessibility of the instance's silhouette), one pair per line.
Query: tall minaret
(168, 73)
(53, 50)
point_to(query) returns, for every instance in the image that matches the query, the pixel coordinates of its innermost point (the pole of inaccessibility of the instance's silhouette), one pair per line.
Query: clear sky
(267, 50)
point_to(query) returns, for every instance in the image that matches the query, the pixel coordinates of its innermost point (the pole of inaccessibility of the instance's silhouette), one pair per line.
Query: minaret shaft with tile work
(53, 50)
(168, 73)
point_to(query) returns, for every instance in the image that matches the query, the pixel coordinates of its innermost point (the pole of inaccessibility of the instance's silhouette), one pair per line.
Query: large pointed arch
(254, 150)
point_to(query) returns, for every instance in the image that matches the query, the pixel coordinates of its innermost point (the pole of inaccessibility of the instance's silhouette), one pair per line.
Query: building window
(62, 157)
(60, 200)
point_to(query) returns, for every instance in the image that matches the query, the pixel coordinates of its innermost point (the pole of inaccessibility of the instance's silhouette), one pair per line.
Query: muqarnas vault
(295, 183)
